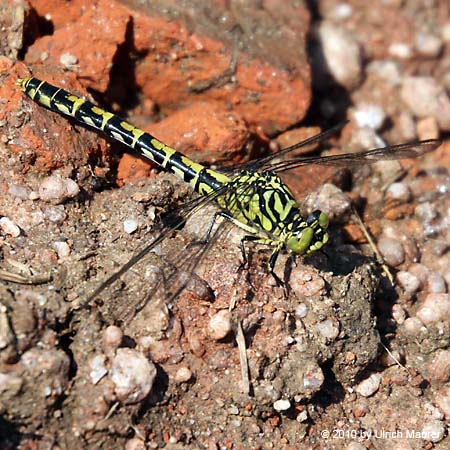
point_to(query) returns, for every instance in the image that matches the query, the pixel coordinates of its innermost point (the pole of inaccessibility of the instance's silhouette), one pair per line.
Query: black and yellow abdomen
(202, 179)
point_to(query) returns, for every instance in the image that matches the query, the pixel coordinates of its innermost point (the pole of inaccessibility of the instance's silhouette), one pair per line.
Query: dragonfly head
(309, 235)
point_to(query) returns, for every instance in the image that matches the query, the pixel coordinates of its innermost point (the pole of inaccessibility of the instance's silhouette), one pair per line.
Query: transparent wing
(408, 150)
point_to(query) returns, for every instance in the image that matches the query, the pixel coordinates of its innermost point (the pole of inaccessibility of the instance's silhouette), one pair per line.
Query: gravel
(132, 374)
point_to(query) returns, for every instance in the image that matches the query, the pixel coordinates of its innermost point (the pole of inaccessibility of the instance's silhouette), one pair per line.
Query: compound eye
(300, 244)
(317, 217)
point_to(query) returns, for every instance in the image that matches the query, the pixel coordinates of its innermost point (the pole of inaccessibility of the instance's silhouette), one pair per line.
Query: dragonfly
(254, 198)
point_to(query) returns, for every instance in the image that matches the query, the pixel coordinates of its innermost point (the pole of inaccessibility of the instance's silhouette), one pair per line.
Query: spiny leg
(248, 238)
(212, 222)
(271, 265)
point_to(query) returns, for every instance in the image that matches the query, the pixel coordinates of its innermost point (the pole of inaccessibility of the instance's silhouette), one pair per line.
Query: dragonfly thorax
(304, 236)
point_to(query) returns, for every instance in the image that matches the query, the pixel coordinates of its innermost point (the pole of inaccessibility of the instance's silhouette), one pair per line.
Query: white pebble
(428, 44)
(130, 226)
(133, 375)
(413, 325)
(369, 386)
(398, 313)
(439, 368)
(407, 126)
(219, 325)
(98, 368)
(388, 70)
(435, 308)
(302, 416)
(342, 11)
(436, 283)
(427, 128)
(9, 227)
(391, 250)
(442, 399)
(425, 97)
(433, 431)
(355, 446)
(68, 60)
(426, 211)
(398, 191)
(182, 375)
(342, 54)
(281, 405)
(112, 336)
(62, 248)
(57, 189)
(400, 50)
(135, 444)
(408, 281)
(313, 378)
(445, 32)
(19, 191)
(328, 329)
(301, 311)
(369, 115)
(55, 214)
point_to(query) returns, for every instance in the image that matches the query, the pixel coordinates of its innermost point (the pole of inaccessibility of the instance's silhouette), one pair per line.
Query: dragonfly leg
(271, 265)
(247, 238)
(207, 236)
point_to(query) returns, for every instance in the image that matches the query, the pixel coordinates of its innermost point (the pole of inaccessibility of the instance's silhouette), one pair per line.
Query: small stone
(408, 281)
(442, 400)
(62, 248)
(68, 60)
(428, 44)
(445, 32)
(112, 336)
(420, 271)
(387, 70)
(342, 11)
(369, 386)
(433, 431)
(9, 227)
(10, 385)
(400, 50)
(182, 375)
(302, 416)
(55, 214)
(342, 54)
(281, 405)
(313, 378)
(133, 375)
(355, 446)
(219, 325)
(130, 226)
(329, 199)
(56, 189)
(301, 311)
(439, 368)
(328, 329)
(392, 251)
(98, 368)
(369, 115)
(426, 211)
(425, 98)
(436, 283)
(19, 191)
(398, 191)
(398, 314)
(413, 325)
(135, 444)
(427, 128)
(407, 126)
(435, 308)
